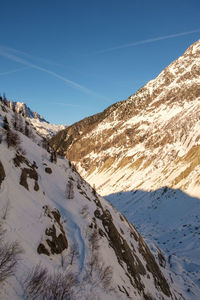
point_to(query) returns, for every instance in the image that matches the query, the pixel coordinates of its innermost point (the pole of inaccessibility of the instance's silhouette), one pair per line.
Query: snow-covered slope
(73, 241)
(136, 148)
(43, 127)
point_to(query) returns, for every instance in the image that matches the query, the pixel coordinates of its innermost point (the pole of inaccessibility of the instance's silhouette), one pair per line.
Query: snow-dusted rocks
(46, 129)
(72, 239)
(43, 127)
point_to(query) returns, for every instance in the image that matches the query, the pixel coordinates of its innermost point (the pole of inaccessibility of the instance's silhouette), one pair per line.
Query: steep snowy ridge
(43, 127)
(73, 238)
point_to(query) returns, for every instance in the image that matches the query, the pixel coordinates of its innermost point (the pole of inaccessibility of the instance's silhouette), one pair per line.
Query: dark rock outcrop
(2, 173)
(128, 256)
(31, 173)
(54, 243)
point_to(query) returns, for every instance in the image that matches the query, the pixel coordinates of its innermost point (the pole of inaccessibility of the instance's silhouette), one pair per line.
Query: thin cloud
(165, 37)
(48, 62)
(5, 53)
(13, 71)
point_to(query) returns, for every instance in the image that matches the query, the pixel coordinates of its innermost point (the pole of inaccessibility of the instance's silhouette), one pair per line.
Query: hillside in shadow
(171, 219)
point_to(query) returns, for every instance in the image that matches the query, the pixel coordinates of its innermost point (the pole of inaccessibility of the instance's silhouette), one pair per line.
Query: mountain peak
(23, 109)
(43, 127)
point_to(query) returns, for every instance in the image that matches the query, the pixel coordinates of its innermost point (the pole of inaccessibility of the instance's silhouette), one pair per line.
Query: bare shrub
(94, 190)
(34, 282)
(5, 123)
(91, 267)
(45, 144)
(2, 232)
(94, 240)
(53, 156)
(98, 275)
(60, 286)
(27, 130)
(69, 259)
(12, 138)
(73, 253)
(84, 211)
(9, 257)
(15, 121)
(69, 191)
(20, 123)
(104, 275)
(62, 261)
(21, 150)
(39, 284)
(5, 210)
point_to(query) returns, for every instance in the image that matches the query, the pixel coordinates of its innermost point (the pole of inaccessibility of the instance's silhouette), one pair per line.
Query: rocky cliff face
(75, 244)
(149, 141)
(23, 109)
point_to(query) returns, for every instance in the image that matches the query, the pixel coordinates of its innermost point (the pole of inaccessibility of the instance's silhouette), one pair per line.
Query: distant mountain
(43, 127)
(23, 109)
(58, 238)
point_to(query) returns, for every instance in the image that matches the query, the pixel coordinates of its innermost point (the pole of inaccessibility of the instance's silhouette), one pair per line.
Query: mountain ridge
(71, 237)
(144, 158)
(134, 133)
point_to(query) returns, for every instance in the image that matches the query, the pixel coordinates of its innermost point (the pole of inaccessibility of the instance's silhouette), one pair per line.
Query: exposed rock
(2, 173)
(19, 159)
(55, 243)
(48, 170)
(42, 250)
(128, 256)
(29, 173)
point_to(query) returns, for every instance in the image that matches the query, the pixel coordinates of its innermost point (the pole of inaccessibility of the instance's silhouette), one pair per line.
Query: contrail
(8, 49)
(5, 53)
(165, 37)
(14, 71)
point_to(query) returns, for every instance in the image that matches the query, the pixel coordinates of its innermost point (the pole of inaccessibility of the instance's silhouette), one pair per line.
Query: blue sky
(68, 59)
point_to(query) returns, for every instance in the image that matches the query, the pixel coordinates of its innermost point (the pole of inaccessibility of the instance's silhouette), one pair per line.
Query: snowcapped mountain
(23, 109)
(58, 238)
(143, 155)
(149, 141)
(43, 127)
